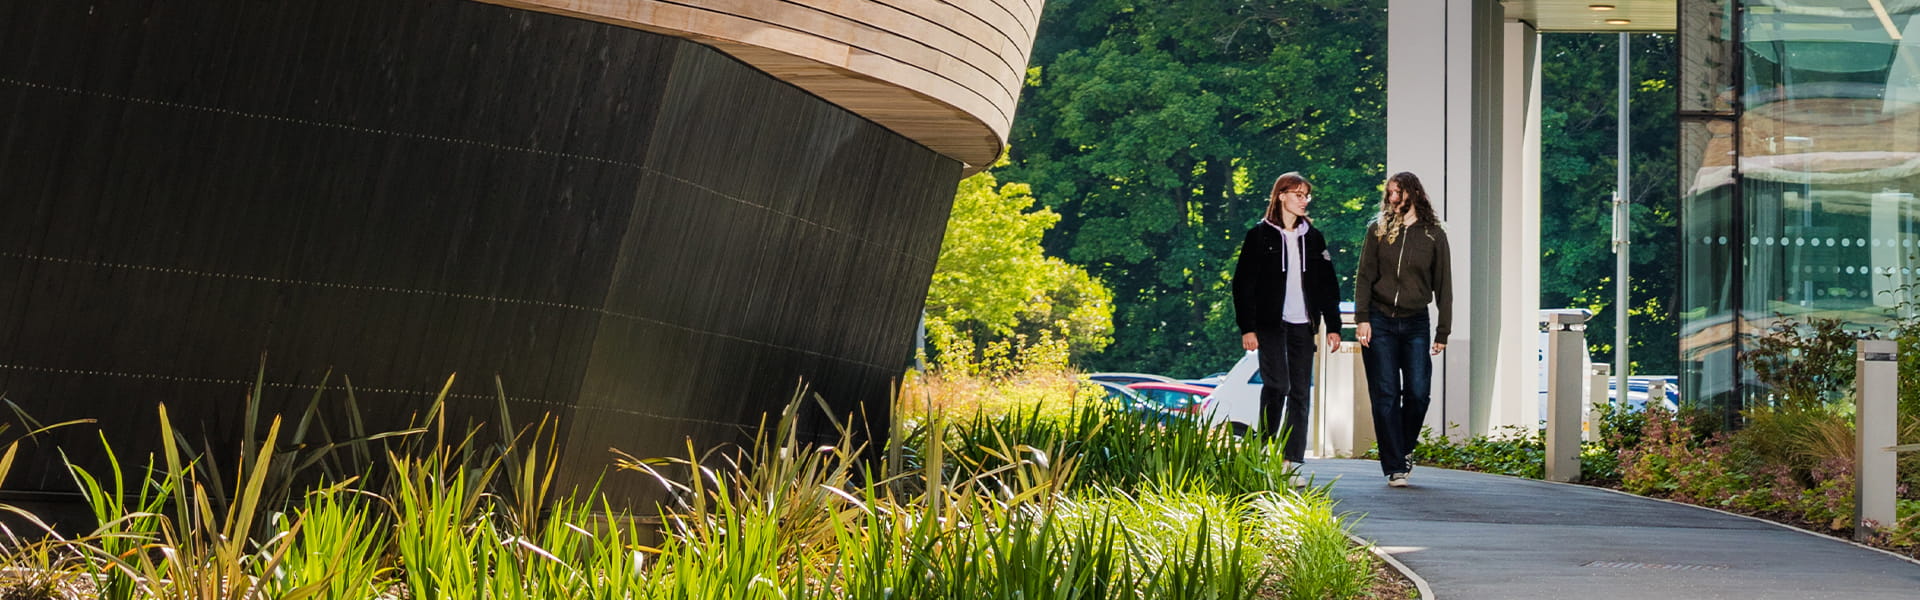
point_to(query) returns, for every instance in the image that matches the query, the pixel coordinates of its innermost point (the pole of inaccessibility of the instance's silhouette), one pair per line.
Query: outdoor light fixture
(1600, 7)
(1619, 22)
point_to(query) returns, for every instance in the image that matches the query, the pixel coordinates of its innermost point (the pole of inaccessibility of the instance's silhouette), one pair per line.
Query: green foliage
(1803, 366)
(1906, 532)
(338, 545)
(1154, 129)
(1578, 154)
(1510, 451)
(1315, 551)
(781, 518)
(1670, 461)
(1906, 333)
(997, 296)
(1618, 426)
(1114, 448)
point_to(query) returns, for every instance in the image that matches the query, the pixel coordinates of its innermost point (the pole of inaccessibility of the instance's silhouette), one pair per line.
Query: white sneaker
(1397, 480)
(1296, 481)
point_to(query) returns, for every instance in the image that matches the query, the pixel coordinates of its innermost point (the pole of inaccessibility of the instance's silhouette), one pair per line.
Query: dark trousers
(1286, 374)
(1399, 365)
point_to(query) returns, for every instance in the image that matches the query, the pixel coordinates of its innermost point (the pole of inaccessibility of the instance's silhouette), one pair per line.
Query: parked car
(1212, 380)
(1235, 403)
(1118, 393)
(1176, 398)
(1127, 378)
(1154, 405)
(1120, 397)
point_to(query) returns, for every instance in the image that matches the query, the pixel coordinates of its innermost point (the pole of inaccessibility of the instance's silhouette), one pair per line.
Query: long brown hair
(1287, 181)
(1414, 198)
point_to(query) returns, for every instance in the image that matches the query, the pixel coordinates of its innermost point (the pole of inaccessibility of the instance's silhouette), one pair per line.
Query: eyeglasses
(1301, 193)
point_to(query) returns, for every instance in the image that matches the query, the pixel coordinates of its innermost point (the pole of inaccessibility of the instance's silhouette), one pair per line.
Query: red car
(1178, 398)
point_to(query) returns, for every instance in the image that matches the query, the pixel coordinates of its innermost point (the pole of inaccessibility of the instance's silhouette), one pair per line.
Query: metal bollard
(1566, 409)
(1876, 387)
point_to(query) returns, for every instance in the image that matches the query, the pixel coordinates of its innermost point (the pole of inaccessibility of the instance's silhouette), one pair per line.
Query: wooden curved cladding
(944, 73)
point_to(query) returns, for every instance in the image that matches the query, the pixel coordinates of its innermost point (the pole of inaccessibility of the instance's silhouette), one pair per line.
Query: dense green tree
(1578, 172)
(1155, 128)
(994, 283)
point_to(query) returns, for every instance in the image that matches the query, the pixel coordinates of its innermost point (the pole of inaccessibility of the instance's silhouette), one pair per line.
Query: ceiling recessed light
(1619, 22)
(1600, 7)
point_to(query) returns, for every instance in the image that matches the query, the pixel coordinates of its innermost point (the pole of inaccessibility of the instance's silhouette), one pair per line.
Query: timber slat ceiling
(944, 73)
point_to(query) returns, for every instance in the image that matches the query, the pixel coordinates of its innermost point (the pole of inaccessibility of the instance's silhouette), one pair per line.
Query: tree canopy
(994, 284)
(1155, 128)
(1578, 165)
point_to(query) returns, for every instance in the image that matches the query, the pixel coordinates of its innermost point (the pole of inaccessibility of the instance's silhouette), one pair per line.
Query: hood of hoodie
(1306, 224)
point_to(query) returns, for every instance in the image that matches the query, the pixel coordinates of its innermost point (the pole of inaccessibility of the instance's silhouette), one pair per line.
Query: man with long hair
(1404, 267)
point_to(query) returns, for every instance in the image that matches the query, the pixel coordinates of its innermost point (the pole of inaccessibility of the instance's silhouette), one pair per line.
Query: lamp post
(1621, 238)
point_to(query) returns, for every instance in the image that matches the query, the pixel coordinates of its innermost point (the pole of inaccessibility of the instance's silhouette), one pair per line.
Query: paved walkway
(1474, 536)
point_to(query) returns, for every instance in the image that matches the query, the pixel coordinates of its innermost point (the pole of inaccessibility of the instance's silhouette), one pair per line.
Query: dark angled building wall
(634, 233)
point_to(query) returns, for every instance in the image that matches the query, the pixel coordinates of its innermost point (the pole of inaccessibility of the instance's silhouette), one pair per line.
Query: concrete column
(1876, 383)
(1445, 124)
(1517, 366)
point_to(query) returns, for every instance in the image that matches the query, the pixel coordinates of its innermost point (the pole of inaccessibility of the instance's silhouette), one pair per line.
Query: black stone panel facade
(634, 233)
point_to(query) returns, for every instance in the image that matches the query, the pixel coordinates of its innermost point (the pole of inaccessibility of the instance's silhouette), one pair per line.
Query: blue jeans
(1399, 363)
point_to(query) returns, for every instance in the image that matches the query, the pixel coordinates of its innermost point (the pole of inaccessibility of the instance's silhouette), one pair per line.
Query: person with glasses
(1404, 267)
(1284, 289)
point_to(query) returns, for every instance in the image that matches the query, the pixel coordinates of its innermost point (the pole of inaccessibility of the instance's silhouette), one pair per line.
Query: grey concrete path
(1474, 536)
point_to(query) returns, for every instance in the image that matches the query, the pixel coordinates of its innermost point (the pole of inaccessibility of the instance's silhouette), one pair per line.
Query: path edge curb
(1724, 512)
(1419, 583)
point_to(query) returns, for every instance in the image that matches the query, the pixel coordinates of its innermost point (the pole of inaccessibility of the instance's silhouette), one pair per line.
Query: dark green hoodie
(1399, 278)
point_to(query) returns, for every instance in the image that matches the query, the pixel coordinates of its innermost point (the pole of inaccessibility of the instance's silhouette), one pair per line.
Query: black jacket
(1260, 280)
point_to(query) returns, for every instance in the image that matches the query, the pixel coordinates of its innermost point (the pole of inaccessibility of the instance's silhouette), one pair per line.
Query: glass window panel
(1706, 56)
(1708, 293)
(1829, 151)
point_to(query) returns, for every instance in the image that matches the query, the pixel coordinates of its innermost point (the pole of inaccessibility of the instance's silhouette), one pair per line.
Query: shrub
(1512, 450)
(1803, 365)
(1830, 500)
(1670, 461)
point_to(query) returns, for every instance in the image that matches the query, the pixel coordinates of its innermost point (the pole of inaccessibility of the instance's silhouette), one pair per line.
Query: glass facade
(1800, 158)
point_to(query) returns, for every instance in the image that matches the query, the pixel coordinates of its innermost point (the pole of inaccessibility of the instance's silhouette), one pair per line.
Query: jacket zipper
(1406, 238)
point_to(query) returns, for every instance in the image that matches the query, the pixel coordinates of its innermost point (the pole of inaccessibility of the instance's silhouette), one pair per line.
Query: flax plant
(1094, 505)
(128, 520)
(40, 568)
(37, 563)
(444, 534)
(753, 521)
(202, 548)
(1316, 554)
(342, 545)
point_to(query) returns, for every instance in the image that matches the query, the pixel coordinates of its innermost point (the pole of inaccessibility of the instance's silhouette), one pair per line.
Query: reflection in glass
(1707, 290)
(1706, 56)
(1829, 150)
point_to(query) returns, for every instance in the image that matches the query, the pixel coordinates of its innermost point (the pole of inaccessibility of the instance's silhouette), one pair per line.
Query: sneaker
(1397, 480)
(1296, 481)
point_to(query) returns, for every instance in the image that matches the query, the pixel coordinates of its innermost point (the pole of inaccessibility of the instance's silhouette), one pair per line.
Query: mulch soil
(1783, 518)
